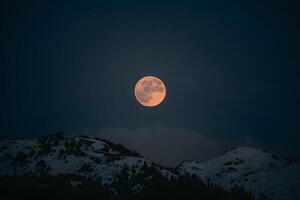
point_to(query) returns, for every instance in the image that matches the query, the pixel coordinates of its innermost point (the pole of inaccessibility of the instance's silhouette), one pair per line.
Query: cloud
(170, 146)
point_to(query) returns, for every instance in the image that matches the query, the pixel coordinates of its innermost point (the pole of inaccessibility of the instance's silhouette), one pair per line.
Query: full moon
(150, 91)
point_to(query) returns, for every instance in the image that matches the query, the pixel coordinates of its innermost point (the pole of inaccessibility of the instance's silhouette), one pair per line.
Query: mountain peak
(63, 154)
(78, 141)
(257, 170)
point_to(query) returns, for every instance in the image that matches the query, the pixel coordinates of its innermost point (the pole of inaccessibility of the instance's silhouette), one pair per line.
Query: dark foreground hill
(60, 187)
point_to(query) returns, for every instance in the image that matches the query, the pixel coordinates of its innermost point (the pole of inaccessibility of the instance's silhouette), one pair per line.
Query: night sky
(231, 69)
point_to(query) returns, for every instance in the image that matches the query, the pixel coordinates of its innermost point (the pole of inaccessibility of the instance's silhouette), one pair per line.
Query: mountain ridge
(114, 165)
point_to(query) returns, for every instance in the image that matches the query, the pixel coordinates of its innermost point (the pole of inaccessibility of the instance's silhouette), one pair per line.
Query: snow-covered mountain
(256, 170)
(93, 158)
(113, 165)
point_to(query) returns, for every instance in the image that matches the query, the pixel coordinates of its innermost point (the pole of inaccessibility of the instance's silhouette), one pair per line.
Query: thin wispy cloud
(170, 146)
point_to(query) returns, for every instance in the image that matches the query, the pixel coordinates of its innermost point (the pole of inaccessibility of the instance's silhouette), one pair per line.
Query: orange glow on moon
(150, 91)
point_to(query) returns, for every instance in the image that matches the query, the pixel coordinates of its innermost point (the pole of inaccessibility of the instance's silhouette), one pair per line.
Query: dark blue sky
(230, 68)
